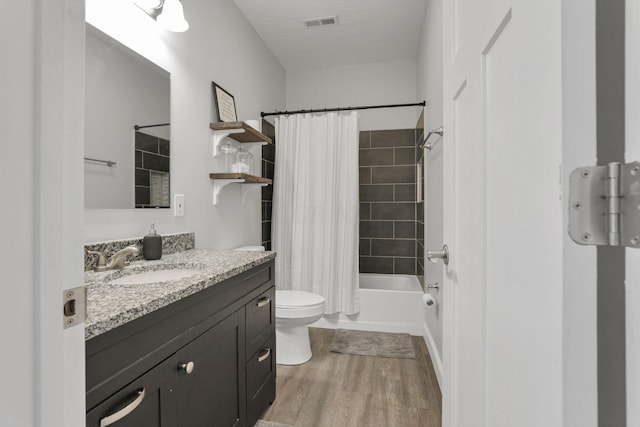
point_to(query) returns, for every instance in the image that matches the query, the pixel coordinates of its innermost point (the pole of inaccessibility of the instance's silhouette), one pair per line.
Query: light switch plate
(178, 205)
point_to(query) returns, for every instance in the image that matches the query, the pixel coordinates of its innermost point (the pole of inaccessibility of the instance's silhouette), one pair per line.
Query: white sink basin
(156, 276)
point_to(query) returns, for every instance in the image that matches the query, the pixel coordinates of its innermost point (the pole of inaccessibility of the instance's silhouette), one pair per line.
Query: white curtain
(316, 207)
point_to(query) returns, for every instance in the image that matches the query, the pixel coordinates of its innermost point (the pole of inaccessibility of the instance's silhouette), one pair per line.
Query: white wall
(356, 85)
(121, 90)
(429, 87)
(219, 46)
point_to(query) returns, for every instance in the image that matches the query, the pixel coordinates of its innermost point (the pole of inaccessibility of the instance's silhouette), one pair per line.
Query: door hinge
(74, 306)
(604, 205)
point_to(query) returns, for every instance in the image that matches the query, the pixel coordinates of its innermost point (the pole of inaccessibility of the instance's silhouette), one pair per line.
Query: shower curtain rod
(138, 127)
(326, 110)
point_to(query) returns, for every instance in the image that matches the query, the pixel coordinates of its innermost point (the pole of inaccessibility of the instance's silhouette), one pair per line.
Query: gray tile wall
(388, 221)
(268, 161)
(420, 212)
(391, 222)
(151, 154)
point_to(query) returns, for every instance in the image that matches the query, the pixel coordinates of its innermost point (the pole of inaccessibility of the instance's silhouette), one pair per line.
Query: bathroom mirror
(127, 140)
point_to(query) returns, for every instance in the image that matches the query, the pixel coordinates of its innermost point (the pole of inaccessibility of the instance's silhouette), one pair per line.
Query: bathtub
(388, 303)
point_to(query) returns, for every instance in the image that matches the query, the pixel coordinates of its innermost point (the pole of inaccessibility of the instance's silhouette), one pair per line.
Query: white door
(503, 289)
(633, 255)
(41, 105)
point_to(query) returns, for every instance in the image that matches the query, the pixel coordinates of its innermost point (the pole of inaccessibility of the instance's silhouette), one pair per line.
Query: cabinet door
(207, 393)
(143, 403)
(260, 320)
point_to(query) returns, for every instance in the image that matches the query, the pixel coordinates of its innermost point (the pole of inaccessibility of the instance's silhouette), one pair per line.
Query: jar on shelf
(252, 163)
(229, 155)
(243, 161)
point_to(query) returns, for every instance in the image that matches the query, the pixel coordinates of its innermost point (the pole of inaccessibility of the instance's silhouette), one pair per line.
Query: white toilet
(295, 311)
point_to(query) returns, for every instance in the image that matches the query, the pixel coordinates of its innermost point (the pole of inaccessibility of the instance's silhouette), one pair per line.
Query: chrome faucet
(117, 260)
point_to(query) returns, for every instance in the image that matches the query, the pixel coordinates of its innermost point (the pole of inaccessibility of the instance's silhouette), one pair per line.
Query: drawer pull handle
(265, 355)
(108, 420)
(264, 301)
(187, 367)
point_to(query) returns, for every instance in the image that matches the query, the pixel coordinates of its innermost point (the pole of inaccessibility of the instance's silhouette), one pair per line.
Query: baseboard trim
(433, 352)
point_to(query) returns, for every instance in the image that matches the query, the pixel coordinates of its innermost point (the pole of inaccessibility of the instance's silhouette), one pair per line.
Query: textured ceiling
(368, 30)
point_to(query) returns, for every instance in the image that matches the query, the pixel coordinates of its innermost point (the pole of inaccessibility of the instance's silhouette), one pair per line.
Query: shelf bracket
(246, 188)
(219, 184)
(219, 136)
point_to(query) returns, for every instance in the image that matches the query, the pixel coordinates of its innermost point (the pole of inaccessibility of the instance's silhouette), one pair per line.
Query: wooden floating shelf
(246, 134)
(221, 180)
(248, 179)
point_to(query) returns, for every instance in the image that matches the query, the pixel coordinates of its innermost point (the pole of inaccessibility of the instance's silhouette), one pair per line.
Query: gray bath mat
(380, 344)
(263, 423)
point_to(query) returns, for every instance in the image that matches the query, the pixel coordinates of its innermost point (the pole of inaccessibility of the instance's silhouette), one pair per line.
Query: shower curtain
(316, 207)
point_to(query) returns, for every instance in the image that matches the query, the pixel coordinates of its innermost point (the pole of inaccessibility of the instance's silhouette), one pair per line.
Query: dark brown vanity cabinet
(191, 363)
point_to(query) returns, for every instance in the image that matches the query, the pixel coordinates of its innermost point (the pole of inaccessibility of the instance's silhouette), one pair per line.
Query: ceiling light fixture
(172, 17)
(169, 14)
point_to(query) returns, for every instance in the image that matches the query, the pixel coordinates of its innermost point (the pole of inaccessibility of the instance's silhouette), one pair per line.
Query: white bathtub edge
(433, 353)
(395, 327)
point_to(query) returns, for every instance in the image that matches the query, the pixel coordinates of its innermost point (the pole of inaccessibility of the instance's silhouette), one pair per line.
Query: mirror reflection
(127, 139)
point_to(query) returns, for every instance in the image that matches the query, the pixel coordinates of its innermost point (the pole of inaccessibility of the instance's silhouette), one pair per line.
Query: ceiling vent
(319, 22)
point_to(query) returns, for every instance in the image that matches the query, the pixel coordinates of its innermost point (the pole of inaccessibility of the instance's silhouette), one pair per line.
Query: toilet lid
(297, 299)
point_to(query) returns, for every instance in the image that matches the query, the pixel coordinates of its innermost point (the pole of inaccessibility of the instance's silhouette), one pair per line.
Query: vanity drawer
(260, 320)
(144, 402)
(261, 366)
(261, 380)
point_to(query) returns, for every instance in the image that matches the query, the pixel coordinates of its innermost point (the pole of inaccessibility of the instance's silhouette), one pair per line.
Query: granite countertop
(110, 305)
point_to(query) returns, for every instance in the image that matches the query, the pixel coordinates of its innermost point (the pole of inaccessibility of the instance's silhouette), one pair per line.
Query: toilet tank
(250, 248)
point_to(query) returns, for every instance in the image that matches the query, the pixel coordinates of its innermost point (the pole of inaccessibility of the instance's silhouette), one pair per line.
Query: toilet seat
(298, 304)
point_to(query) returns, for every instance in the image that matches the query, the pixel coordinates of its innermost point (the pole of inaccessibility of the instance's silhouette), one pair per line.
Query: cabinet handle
(264, 301)
(265, 355)
(187, 367)
(110, 419)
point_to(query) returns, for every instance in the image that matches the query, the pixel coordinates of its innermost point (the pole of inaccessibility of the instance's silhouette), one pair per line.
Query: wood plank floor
(343, 390)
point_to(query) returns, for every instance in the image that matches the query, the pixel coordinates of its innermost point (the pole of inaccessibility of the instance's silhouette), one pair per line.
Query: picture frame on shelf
(225, 104)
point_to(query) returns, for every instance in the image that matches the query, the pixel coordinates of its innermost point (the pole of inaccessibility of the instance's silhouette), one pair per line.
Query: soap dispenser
(152, 244)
